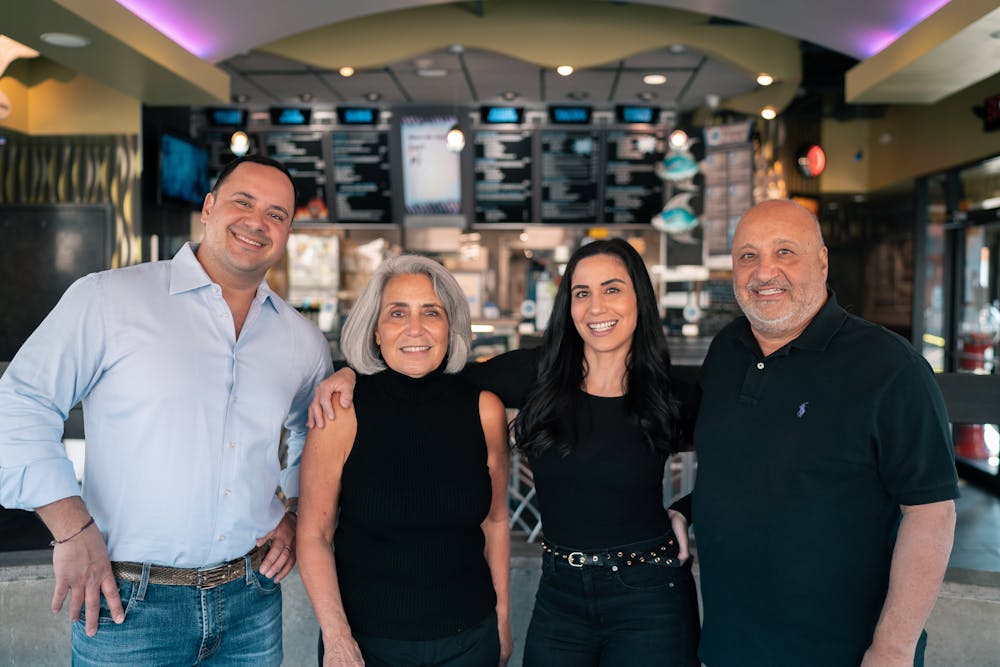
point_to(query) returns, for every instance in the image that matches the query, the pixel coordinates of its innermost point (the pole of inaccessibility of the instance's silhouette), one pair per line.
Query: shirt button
(229, 492)
(224, 313)
(232, 445)
(760, 365)
(215, 289)
(222, 538)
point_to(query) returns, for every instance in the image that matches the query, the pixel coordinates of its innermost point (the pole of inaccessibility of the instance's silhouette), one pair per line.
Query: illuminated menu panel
(302, 154)
(569, 176)
(361, 176)
(633, 193)
(503, 173)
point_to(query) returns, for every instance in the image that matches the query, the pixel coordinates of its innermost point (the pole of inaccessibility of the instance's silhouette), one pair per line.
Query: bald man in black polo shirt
(824, 505)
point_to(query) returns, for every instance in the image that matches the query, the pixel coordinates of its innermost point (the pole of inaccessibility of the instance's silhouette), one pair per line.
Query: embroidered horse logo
(801, 412)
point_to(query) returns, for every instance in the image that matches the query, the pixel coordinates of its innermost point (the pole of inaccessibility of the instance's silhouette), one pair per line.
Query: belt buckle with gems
(576, 554)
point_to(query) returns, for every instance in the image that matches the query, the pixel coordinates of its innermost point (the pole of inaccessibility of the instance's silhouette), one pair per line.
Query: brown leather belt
(206, 577)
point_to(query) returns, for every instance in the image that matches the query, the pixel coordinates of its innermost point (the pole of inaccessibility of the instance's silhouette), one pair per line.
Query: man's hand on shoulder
(83, 571)
(321, 408)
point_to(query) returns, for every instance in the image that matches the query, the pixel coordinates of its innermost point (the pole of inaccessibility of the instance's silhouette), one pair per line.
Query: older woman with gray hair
(403, 541)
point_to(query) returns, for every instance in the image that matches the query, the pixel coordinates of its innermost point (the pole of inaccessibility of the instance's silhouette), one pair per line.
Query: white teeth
(416, 348)
(602, 326)
(249, 240)
(768, 292)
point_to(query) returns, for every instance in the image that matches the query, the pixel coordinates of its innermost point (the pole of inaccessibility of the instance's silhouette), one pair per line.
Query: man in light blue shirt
(187, 370)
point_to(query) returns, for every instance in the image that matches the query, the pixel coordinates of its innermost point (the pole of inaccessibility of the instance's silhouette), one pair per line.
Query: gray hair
(357, 340)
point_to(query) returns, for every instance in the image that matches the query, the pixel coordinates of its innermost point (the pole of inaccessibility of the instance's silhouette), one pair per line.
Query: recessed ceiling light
(65, 39)
(564, 70)
(678, 138)
(456, 48)
(654, 79)
(768, 113)
(346, 71)
(765, 79)
(432, 73)
(646, 95)
(306, 97)
(373, 97)
(423, 63)
(509, 95)
(578, 95)
(677, 48)
(241, 98)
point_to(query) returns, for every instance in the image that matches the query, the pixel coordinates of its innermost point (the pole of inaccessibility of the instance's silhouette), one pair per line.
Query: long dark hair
(548, 417)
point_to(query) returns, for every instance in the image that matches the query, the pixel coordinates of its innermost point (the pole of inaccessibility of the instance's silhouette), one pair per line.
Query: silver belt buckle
(576, 554)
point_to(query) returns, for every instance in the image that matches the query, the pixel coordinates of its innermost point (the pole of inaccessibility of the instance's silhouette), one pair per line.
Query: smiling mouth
(416, 348)
(770, 291)
(600, 327)
(248, 240)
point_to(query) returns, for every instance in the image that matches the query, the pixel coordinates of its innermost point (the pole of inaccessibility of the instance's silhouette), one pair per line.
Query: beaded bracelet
(63, 541)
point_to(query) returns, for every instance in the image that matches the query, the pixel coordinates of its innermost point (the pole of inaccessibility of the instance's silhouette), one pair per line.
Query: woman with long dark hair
(597, 428)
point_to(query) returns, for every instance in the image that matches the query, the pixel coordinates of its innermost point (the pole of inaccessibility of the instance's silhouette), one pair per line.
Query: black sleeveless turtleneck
(414, 491)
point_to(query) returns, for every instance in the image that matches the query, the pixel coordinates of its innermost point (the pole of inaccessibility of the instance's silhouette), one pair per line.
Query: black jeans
(477, 646)
(595, 616)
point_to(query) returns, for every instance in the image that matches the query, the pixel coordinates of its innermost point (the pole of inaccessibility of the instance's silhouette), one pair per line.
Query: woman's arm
(496, 527)
(511, 375)
(326, 451)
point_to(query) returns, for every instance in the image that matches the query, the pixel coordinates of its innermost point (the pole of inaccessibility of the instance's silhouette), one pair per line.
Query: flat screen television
(183, 172)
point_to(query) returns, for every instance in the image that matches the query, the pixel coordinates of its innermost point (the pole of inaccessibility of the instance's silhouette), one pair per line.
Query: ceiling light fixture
(677, 48)
(65, 39)
(346, 71)
(432, 73)
(768, 113)
(765, 79)
(455, 139)
(678, 139)
(564, 70)
(509, 95)
(239, 143)
(241, 98)
(306, 97)
(654, 79)
(646, 95)
(578, 95)
(373, 97)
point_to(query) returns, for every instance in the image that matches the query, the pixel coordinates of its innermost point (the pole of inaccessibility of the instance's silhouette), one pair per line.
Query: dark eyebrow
(606, 282)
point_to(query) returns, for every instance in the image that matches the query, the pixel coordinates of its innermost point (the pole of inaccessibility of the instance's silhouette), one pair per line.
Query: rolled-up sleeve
(54, 369)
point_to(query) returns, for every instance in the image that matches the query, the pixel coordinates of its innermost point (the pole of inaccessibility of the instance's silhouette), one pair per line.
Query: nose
(767, 268)
(415, 325)
(596, 302)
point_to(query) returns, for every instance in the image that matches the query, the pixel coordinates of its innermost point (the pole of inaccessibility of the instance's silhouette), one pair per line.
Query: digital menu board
(633, 193)
(503, 172)
(302, 154)
(361, 176)
(569, 176)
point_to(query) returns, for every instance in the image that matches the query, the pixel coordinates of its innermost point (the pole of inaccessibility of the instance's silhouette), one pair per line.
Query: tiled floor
(977, 531)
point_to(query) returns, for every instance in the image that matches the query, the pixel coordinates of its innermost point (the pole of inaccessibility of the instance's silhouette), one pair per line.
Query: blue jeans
(594, 616)
(238, 623)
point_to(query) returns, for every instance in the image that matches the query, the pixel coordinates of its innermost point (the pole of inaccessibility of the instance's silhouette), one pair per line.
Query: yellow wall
(925, 139)
(842, 141)
(56, 101)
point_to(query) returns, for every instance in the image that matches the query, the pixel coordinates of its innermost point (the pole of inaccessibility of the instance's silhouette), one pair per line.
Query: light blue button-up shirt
(183, 420)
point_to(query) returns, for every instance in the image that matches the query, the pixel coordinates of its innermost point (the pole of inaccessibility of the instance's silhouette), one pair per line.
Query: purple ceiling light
(172, 21)
(870, 42)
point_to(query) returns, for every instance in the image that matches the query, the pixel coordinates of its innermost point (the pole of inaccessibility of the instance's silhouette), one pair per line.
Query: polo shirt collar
(816, 336)
(187, 274)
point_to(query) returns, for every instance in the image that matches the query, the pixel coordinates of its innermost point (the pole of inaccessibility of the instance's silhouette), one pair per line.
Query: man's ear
(207, 206)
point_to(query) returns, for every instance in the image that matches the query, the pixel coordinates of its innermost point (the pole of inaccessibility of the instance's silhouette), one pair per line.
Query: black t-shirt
(804, 457)
(608, 491)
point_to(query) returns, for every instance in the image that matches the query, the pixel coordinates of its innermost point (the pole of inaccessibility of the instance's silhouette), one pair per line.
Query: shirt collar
(187, 274)
(817, 334)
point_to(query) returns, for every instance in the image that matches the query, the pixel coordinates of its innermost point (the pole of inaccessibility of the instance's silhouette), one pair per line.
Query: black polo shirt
(804, 457)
